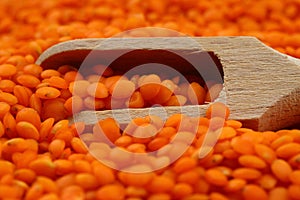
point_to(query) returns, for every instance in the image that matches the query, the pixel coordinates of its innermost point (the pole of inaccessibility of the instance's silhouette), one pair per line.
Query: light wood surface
(261, 86)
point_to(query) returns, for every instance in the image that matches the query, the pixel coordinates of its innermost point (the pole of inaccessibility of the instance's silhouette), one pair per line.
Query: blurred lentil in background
(28, 27)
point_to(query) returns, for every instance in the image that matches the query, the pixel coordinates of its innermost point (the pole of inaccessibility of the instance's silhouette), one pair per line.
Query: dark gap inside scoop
(198, 66)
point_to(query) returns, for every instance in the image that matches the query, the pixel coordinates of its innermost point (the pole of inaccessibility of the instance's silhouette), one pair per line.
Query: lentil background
(42, 156)
(28, 27)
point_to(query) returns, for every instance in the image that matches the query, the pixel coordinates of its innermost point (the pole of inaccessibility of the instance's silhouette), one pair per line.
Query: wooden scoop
(261, 85)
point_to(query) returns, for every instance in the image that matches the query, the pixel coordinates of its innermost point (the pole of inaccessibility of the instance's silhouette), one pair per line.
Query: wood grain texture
(261, 86)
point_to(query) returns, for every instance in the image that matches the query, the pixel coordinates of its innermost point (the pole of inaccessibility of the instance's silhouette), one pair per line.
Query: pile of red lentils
(43, 156)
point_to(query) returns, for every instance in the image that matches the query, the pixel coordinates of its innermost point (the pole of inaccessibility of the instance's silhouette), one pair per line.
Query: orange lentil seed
(217, 196)
(49, 73)
(4, 108)
(136, 179)
(86, 181)
(78, 146)
(252, 191)
(73, 104)
(56, 147)
(122, 89)
(295, 177)
(97, 90)
(136, 100)
(285, 139)
(149, 86)
(182, 190)
(47, 183)
(246, 173)
(7, 70)
(35, 103)
(7, 85)
(111, 192)
(79, 87)
(265, 152)
(160, 184)
(33, 69)
(28, 80)
(29, 115)
(196, 93)
(242, 146)
(235, 185)
(57, 82)
(267, 181)
(281, 169)
(47, 93)
(294, 191)
(43, 167)
(279, 193)
(8, 98)
(27, 130)
(252, 161)
(288, 150)
(22, 95)
(72, 192)
(215, 177)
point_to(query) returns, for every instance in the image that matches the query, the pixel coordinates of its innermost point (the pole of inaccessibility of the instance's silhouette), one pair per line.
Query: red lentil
(7, 70)
(149, 86)
(246, 173)
(281, 169)
(33, 69)
(79, 87)
(160, 184)
(111, 192)
(294, 192)
(163, 95)
(235, 185)
(48, 73)
(7, 85)
(27, 130)
(28, 80)
(8, 98)
(285, 139)
(196, 93)
(22, 95)
(136, 179)
(136, 100)
(72, 192)
(58, 82)
(215, 177)
(25, 175)
(122, 89)
(278, 193)
(252, 161)
(4, 108)
(47, 92)
(53, 108)
(254, 192)
(56, 147)
(97, 90)
(265, 152)
(288, 150)
(267, 181)
(29, 115)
